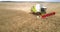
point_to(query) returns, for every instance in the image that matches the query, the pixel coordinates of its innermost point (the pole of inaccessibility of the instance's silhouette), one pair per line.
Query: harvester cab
(38, 9)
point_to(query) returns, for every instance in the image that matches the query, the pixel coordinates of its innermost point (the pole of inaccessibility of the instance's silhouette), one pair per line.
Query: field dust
(16, 17)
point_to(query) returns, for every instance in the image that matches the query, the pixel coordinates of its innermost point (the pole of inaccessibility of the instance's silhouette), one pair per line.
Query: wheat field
(16, 17)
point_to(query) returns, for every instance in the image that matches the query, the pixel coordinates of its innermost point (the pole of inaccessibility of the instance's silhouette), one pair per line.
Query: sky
(34, 0)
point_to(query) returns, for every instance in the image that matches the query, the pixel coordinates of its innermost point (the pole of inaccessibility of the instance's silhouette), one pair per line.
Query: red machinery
(49, 14)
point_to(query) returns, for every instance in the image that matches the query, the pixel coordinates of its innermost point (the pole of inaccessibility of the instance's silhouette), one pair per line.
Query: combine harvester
(40, 11)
